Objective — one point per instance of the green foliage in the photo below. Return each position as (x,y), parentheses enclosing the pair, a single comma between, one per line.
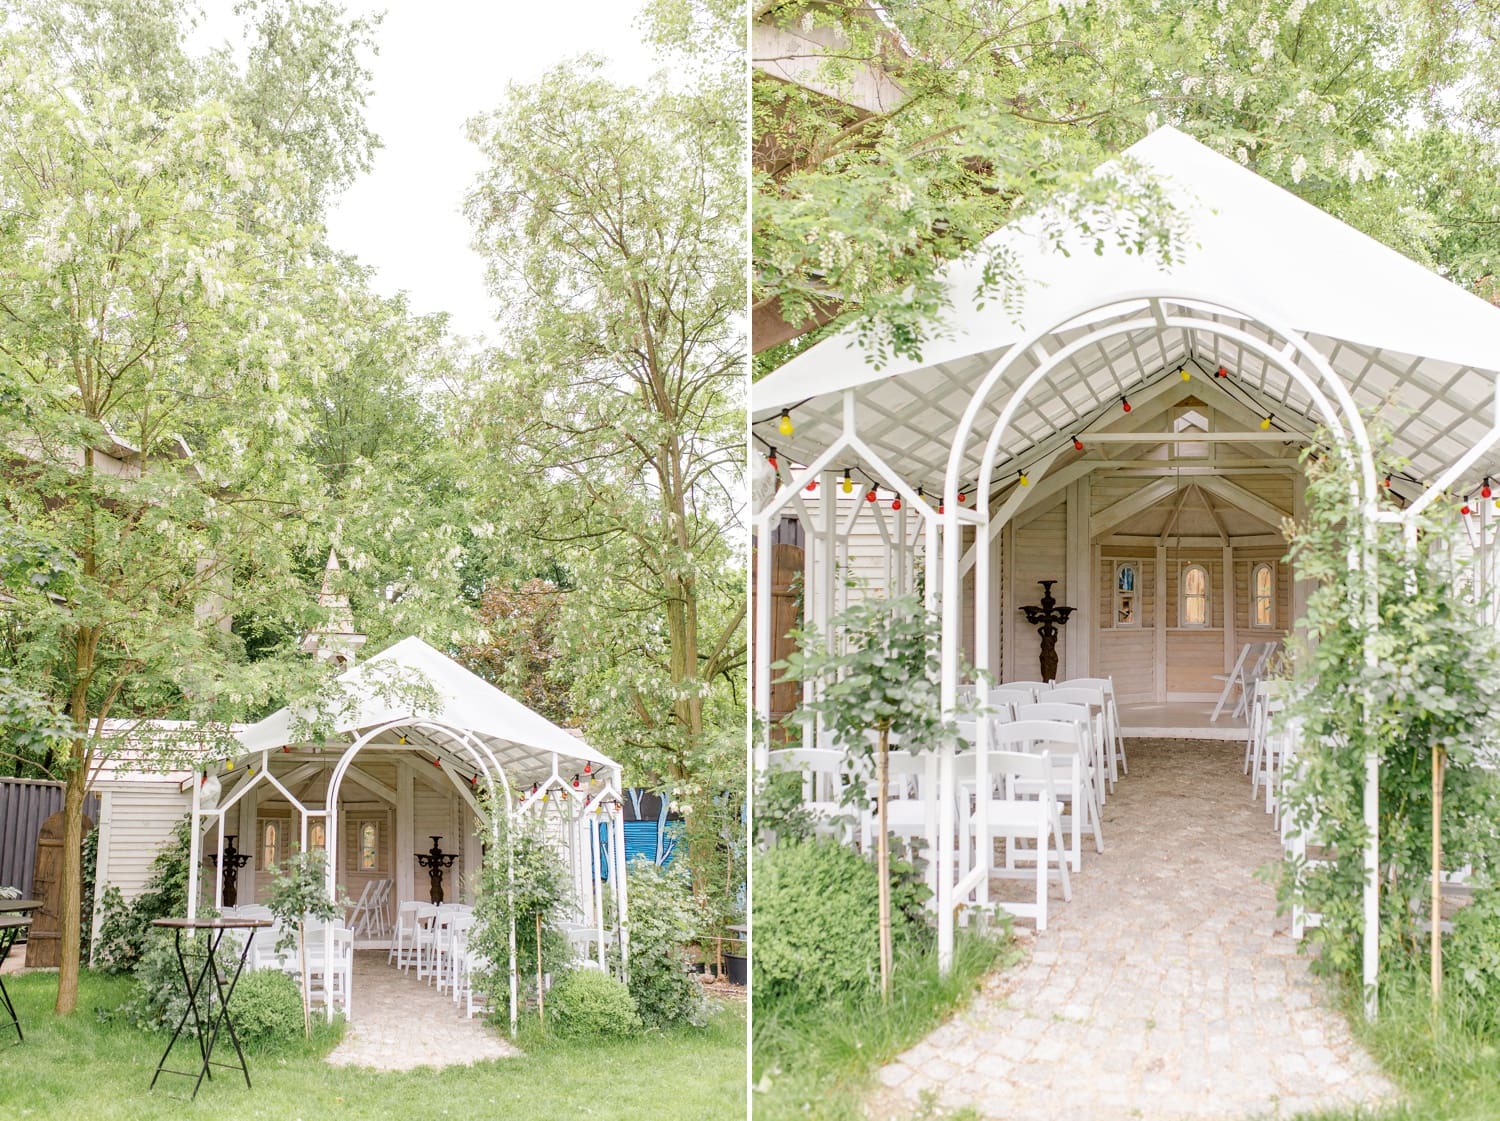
(299,891)
(1471,963)
(159,997)
(663,920)
(816,1060)
(816,933)
(125,928)
(33,735)
(1429,687)
(523,878)
(1380,113)
(267,1008)
(590,1004)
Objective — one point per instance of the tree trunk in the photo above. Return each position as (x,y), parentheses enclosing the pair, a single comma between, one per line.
(1439,767)
(883,860)
(72,891)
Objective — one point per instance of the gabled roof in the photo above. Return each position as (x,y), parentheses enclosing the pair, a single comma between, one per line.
(522,739)
(1388,326)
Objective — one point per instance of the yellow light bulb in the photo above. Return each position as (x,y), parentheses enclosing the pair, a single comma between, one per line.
(229,764)
(848,484)
(1025,481)
(1186,376)
(1265,424)
(786,427)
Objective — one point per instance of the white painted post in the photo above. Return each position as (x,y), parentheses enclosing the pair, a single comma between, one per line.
(764,562)
(1159,619)
(1231,640)
(195,847)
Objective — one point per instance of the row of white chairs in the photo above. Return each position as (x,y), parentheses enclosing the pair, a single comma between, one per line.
(330,978)
(1054,749)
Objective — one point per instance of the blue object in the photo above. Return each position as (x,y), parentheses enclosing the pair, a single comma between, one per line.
(656,841)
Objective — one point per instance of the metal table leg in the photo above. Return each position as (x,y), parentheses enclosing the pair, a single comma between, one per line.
(206,1033)
(10,930)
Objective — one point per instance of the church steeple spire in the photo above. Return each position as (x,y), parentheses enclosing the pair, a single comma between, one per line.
(335,640)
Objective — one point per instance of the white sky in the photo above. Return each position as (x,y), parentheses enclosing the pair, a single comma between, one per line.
(441,62)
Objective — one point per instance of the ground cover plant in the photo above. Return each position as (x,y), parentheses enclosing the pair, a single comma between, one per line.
(674,1075)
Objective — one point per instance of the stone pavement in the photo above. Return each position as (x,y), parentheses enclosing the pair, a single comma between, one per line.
(401,1023)
(1168,988)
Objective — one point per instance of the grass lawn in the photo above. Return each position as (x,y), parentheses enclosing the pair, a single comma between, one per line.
(84,1068)
(818,1063)
(1447,1071)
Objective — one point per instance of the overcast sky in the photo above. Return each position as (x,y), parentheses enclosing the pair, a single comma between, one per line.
(441,62)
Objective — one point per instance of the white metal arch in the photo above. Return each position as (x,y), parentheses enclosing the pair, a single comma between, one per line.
(1341,414)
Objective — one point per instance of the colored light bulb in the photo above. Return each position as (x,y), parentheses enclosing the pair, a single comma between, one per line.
(1125,404)
(848,482)
(785,425)
(1222,372)
(1077,444)
(1265,424)
(1025,479)
(895,504)
(1186,375)
(870,495)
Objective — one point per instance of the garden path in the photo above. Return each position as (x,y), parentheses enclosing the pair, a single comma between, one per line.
(1168,988)
(401,1023)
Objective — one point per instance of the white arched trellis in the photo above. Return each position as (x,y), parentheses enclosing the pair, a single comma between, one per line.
(1099,319)
(471,749)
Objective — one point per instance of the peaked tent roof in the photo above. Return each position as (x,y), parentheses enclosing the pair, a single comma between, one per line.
(1389,327)
(523,740)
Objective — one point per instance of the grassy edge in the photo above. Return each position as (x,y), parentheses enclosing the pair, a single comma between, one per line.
(819,1062)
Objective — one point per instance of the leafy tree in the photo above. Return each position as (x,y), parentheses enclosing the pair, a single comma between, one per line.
(522,654)
(880,677)
(299,891)
(994,110)
(612,219)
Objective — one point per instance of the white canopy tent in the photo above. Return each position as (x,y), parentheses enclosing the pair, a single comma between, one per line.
(499,756)
(1309,323)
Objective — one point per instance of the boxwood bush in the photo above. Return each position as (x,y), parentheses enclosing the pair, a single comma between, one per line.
(817,922)
(590,1004)
(267,1009)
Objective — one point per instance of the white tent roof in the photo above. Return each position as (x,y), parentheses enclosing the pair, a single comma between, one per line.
(523,740)
(1391,328)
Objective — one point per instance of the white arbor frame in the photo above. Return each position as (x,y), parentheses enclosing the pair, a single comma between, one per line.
(464,744)
(1152,311)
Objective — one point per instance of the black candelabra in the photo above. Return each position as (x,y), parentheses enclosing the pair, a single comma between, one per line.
(435,860)
(1046,617)
(234,860)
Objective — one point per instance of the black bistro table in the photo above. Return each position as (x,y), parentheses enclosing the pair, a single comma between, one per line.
(206,1031)
(13,921)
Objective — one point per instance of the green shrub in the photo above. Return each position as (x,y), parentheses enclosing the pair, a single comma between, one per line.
(267,1008)
(590,1004)
(662,921)
(124,927)
(1471,962)
(817,922)
(159,998)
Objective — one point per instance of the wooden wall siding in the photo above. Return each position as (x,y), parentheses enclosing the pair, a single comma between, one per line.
(1193,657)
(1275,489)
(1125,653)
(1040,553)
(141,817)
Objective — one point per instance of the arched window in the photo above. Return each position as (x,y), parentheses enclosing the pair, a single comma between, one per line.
(270,844)
(1194,607)
(317,835)
(1263,595)
(369,845)
(1127,579)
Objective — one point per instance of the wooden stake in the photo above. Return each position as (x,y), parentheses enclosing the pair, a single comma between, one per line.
(883,862)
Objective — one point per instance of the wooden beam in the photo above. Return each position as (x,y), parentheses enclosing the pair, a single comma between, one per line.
(372,784)
(1251,503)
(1271,437)
(1131,505)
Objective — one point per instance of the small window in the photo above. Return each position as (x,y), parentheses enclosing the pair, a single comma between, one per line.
(369,845)
(1194,596)
(271,840)
(1263,595)
(317,835)
(1127,578)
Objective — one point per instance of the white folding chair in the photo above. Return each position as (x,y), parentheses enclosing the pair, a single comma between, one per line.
(425,942)
(1234,678)
(329,979)
(458,944)
(359,915)
(1071,746)
(1116,739)
(1004,812)
(1257,667)
(1011,695)
(404,936)
(475,963)
(908,816)
(1093,698)
(823,771)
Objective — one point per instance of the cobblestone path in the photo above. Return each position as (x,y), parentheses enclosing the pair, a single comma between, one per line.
(401,1023)
(1168,988)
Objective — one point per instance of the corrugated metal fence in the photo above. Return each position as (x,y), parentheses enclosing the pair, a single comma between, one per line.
(24,804)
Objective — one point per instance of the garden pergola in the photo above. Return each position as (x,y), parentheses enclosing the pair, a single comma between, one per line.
(504,761)
(1288,325)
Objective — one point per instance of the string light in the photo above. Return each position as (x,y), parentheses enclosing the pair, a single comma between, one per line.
(1125,404)
(575,782)
(1025,480)
(1077,444)
(896,503)
(871,495)
(229,764)
(1387,482)
(785,425)
(813,485)
(962,498)
(1484,491)
(588,768)
(1221,373)
(1464,509)
(1186,374)
(848,483)
(1265,424)
(771,459)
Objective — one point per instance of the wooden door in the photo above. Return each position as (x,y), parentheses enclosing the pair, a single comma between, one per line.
(44,939)
(786,616)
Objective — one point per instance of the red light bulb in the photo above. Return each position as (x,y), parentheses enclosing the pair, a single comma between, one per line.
(962,498)
(1484,491)
(1125,404)
(1464,509)
(940,507)
(813,485)
(1387,483)
(588,768)
(870,495)
(1077,444)
(895,504)
(1221,373)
